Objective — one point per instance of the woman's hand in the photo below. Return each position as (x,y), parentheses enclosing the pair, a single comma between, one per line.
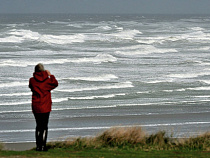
(48,72)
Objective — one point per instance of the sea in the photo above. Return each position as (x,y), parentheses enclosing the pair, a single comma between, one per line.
(149,71)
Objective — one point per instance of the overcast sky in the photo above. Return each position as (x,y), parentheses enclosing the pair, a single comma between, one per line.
(106,6)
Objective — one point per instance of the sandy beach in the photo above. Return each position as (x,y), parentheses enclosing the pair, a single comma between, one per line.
(180,125)
(22,146)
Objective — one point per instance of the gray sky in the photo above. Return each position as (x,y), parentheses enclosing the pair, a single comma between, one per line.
(106,6)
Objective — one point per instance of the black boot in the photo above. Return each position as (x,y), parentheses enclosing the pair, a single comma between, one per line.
(44,140)
(38,140)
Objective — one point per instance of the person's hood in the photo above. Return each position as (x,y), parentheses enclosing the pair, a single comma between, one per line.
(40,76)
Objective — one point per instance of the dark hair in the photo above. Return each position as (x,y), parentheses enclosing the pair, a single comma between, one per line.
(39,67)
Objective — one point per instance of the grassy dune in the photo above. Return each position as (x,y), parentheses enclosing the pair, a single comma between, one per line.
(124,142)
(135,137)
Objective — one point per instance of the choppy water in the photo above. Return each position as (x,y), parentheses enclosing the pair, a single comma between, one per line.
(112,70)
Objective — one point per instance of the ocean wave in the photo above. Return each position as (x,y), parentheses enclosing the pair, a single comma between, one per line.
(175,90)
(105,127)
(196,35)
(159,81)
(53,129)
(197,28)
(100,58)
(11,39)
(200,88)
(103,28)
(97,59)
(189,75)
(97,97)
(126,34)
(175,124)
(18,36)
(104,77)
(62,39)
(16,94)
(15,111)
(127,84)
(113,37)
(13,84)
(146,50)
(205,81)
(16,103)
(25,63)
(56,100)
(58,22)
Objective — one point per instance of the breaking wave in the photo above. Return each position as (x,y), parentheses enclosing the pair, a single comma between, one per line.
(104,77)
(100,58)
(127,84)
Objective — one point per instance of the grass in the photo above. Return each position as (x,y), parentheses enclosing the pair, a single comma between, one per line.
(123,142)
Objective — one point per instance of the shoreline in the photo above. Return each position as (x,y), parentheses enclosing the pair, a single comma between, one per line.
(20,146)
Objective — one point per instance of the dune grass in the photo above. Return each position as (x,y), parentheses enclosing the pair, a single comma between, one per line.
(136,138)
(123,142)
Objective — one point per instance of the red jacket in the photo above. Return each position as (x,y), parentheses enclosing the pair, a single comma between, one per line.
(41,85)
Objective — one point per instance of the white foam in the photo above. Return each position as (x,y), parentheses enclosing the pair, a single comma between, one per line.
(13,84)
(175,90)
(159,81)
(57,100)
(30,63)
(11,39)
(104,77)
(54,129)
(106,106)
(16,94)
(105,127)
(205,81)
(62,39)
(203,96)
(146,92)
(126,34)
(127,84)
(189,75)
(96,97)
(146,49)
(25,34)
(106,28)
(197,28)
(175,124)
(168,90)
(113,37)
(58,22)
(16,111)
(206,48)
(97,59)
(195,36)
(18,36)
(100,58)
(16,103)
(199,88)
(180,90)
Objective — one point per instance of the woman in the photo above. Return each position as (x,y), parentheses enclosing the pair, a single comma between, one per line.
(41,84)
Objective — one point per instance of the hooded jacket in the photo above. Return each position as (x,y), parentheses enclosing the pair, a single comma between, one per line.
(41,85)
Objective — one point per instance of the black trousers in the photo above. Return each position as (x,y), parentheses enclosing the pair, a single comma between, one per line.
(42,120)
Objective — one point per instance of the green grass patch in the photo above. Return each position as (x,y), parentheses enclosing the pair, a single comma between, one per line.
(105,153)
(123,142)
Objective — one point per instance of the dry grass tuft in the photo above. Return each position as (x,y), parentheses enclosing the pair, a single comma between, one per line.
(122,136)
(135,137)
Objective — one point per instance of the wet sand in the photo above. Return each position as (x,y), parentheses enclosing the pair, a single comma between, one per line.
(19,146)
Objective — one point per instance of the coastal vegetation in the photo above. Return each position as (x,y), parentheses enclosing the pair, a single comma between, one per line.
(124,142)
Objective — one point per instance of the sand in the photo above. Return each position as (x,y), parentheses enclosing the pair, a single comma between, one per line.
(19,146)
